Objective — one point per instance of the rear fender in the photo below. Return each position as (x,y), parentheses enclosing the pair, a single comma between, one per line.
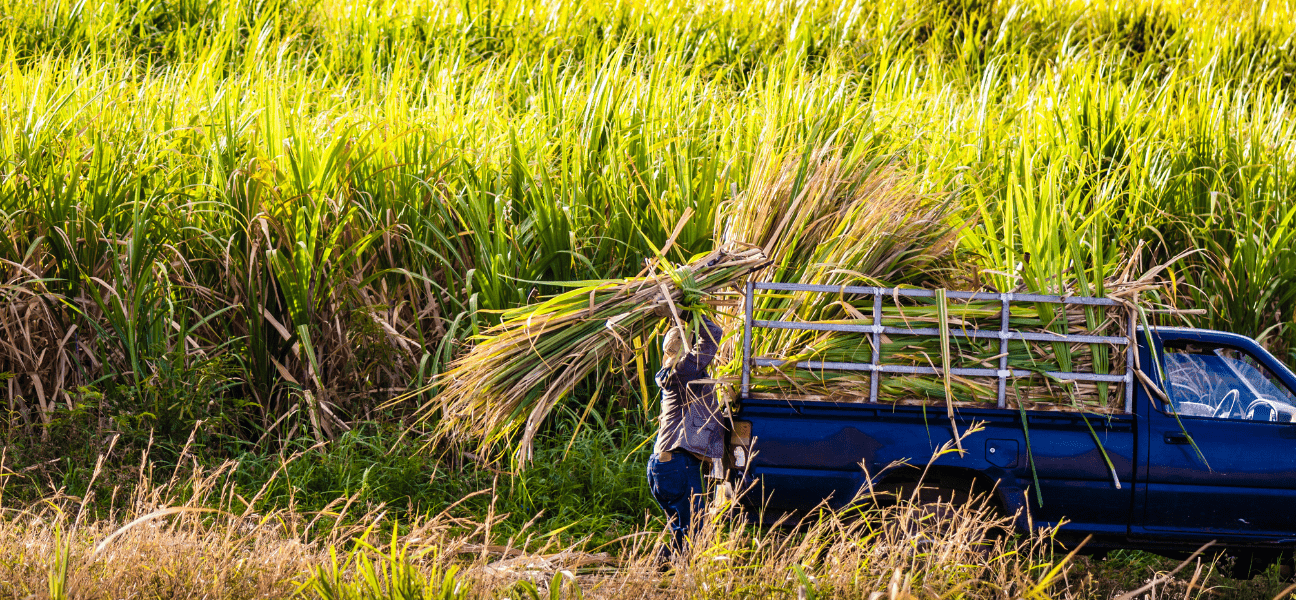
(956,485)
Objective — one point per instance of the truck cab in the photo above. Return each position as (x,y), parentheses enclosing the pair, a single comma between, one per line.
(1205,451)
(1219,460)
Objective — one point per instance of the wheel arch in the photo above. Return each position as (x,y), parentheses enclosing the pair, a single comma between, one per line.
(1001,492)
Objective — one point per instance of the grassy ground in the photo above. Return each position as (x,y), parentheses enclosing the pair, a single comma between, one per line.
(231,230)
(587,490)
(357,521)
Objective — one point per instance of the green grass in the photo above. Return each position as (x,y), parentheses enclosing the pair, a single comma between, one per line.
(307,205)
(586,488)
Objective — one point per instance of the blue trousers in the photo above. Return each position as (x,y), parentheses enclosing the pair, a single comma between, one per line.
(677,486)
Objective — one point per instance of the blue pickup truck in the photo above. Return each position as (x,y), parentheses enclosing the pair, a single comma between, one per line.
(1204,450)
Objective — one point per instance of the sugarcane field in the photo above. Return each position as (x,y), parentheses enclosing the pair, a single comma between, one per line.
(523,299)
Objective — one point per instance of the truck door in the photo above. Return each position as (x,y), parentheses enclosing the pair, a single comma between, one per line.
(1234,401)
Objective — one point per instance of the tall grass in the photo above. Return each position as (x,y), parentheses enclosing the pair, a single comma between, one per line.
(273,215)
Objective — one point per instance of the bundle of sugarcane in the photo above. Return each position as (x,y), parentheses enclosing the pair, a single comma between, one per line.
(961,349)
(516,371)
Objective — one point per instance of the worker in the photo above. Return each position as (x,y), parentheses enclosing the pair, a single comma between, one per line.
(690,437)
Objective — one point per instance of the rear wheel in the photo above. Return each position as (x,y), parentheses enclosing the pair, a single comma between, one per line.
(1247,564)
(939,514)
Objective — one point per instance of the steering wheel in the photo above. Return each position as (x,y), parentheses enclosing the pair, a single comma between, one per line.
(1262,401)
(1222,411)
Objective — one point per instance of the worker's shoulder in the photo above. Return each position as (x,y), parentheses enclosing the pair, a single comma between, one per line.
(715,330)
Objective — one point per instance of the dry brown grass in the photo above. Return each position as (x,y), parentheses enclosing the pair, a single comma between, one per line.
(195,537)
(192,554)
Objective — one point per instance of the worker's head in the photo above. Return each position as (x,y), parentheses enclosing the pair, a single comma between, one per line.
(672,347)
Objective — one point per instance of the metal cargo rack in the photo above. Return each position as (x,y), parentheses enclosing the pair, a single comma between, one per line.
(875,367)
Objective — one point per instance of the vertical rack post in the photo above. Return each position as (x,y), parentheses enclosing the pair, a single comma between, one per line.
(875,375)
(1130,348)
(747,339)
(1003,350)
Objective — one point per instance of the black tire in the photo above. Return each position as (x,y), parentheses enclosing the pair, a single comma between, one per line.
(1246,565)
(937,514)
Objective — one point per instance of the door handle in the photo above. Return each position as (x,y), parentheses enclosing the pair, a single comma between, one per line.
(1176,438)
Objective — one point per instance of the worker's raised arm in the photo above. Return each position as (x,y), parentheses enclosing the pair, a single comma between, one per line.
(695,364)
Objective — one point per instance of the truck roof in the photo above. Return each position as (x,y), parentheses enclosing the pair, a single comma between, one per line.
(1207,334)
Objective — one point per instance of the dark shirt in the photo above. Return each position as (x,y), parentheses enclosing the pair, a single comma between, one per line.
(690,416)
